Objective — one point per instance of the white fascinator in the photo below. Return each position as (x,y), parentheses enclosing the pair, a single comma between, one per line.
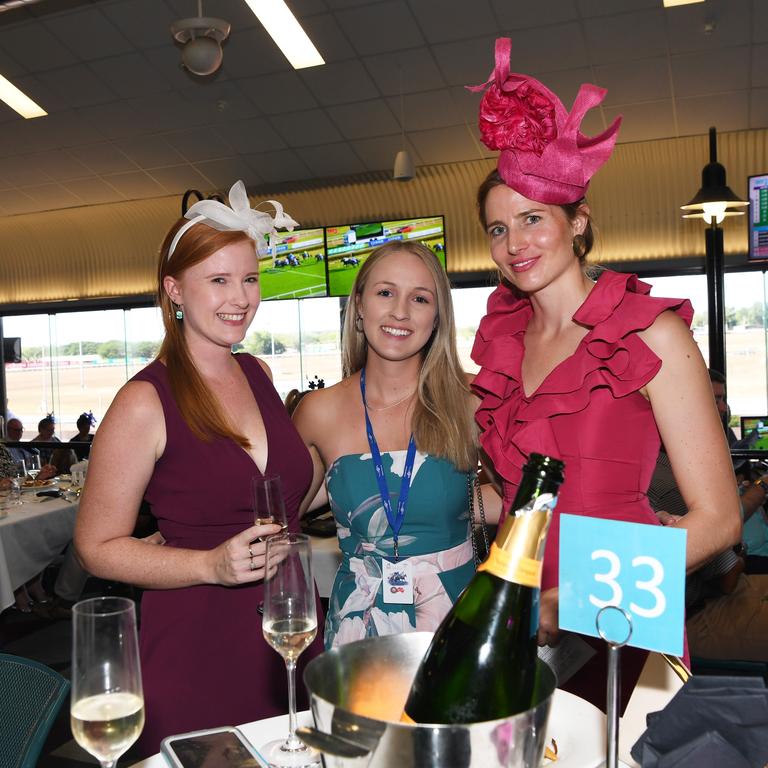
(238,216)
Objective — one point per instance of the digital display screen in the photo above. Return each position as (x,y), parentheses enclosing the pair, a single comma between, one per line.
(758,216)
(294,268)
(754,429)
(349,245)
(221,749)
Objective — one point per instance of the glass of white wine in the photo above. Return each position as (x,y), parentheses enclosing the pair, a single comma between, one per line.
(33,465)
(268,501)
(289,626)
(107,705)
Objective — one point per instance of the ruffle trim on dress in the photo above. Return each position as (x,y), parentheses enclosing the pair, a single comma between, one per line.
(611,355)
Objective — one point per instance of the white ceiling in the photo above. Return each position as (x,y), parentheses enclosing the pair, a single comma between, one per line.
(126,122)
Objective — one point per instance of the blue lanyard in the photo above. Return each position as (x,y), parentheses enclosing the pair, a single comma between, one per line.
(395,520)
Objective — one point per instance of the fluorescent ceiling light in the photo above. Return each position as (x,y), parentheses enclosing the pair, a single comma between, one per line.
(670,3)
(19,101)
(286,31)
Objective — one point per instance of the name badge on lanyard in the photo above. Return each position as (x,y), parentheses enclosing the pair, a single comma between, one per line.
(402,571)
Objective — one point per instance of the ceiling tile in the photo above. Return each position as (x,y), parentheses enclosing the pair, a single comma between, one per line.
(18,172)
(406,71)
(145,23)
(199,144)
(566,83)
(339,83)
(252,52)
(302,8)
(468,62)
(13,202)
(135,185)
(366,118)
(726,111)
(378,154)
(179,178)
(247,136)
(446,20)
(445,145)
(76,86)
(467,103)
(708,26)
(111,120)
(87,33)
(166,60)
(626,36)
(387,26)
(340,4)
(640,122)
(561,46)
(156,112)
(302,129)
(34,47)
(758,112)
(432,109)
(521,15)
(635,81)
(93,191)
(331,160)
(59,165)
(9,67)
(48,197)
(236,12)
(67,129)
(130,75)
(760,21)
(224,172)
(281,166)
(711,71)
(221,101)
(759,66)
(42,93)
(148,151)
(589,8)
(102,158)
(280,92)
(328,37)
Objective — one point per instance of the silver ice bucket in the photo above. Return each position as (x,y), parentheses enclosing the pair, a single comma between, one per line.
(357,694)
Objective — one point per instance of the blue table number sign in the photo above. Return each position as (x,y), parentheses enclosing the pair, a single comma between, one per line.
(640,568)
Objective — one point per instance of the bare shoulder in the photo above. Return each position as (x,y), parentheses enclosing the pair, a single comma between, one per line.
(319,405)
(668,334)
(137,400)
(265,367)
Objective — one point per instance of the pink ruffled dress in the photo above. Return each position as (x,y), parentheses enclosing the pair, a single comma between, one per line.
(588,411)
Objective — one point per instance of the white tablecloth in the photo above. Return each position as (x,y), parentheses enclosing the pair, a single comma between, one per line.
(31,537)
(326,557)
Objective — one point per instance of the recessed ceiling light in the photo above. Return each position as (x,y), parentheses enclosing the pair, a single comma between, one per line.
(670,3)
(19,101)
(286,31)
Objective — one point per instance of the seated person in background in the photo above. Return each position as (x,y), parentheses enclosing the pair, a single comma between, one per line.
(292,399)
(8,468)
(15,431)
(727,610)
(46,429)
(84,423)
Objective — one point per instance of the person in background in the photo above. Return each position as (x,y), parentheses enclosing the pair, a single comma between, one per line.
(402,413)
(187,434)
(85,421)
(589,372)
(46,433)
(15,430)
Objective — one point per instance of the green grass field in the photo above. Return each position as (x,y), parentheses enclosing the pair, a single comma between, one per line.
(308,279)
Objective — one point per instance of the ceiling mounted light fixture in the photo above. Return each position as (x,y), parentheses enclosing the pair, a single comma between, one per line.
(201,38)
(403,170)
(19,101)
(289,36)
(672,3)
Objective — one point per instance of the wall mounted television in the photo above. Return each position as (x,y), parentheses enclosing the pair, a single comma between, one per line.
(350,244)
(758,216)
(295,265)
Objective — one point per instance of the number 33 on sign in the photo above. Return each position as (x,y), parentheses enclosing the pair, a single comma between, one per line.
(640,568)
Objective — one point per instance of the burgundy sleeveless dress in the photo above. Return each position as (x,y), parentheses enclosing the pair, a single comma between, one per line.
(205,662)
(588,412)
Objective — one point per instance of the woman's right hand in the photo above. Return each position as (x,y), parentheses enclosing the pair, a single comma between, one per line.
(241,559)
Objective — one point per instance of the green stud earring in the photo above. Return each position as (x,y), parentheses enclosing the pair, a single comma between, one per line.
(179,314)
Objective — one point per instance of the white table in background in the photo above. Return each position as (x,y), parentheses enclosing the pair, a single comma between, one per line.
(31,537)
(326,558)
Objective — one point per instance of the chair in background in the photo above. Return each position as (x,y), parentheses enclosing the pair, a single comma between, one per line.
(31,695)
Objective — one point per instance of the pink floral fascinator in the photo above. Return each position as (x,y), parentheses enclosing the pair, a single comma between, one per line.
(544,155)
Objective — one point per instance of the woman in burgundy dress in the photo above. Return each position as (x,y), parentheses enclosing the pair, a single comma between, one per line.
(590,372)
(187,434)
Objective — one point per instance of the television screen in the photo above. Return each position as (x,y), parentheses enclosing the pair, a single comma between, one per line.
(349,245)
(754,432)
(295,265)
(758,216)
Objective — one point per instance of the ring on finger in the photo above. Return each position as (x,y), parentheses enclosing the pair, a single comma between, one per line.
(253,567)
(250,551)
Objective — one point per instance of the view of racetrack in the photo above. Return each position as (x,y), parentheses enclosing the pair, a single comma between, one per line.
(295,266)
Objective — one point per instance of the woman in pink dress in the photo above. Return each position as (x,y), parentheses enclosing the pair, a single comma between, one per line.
(592,372)
(187,434)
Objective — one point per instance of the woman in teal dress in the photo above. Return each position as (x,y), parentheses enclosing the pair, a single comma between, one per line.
(394,442)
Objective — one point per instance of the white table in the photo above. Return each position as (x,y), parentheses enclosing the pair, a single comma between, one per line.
(31,537)
(326,558)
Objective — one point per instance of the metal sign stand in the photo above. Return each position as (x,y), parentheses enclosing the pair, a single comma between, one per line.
(612,688)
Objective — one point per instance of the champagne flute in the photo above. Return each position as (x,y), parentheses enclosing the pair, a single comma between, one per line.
(107,705)
(268,506)
(289,626)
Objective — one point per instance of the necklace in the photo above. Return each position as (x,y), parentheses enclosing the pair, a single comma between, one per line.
(392,405)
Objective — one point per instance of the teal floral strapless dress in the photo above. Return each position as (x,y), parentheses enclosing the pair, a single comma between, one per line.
(435,537)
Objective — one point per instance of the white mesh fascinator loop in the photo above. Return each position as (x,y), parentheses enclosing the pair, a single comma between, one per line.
(240,217)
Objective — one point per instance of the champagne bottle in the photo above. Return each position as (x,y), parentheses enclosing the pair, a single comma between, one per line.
(481,664)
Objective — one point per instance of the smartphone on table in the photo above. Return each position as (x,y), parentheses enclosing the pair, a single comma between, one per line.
(212,748)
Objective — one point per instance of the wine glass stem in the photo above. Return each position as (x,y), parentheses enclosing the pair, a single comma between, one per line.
(292,742)
(108,763)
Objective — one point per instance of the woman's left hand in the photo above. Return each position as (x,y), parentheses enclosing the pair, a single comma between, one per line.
(549,631)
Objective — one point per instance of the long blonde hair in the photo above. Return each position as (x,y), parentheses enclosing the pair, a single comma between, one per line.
(442,421)
(196,403)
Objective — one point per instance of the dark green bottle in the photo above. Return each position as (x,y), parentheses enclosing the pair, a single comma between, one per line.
(481,664)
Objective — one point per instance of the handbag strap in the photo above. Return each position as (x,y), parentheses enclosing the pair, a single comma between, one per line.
(473,488)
